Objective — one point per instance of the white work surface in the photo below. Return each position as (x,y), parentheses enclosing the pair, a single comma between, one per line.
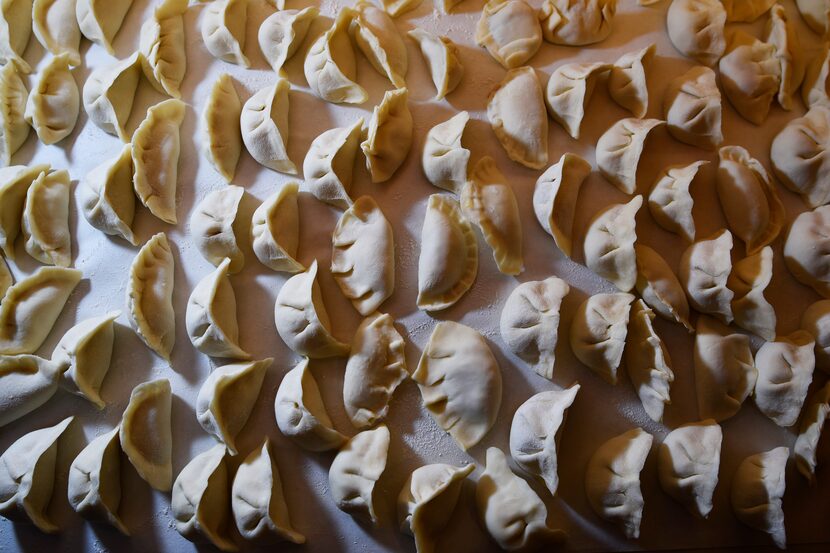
(600,411)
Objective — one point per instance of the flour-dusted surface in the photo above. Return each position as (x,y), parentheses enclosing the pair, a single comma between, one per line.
(599,412)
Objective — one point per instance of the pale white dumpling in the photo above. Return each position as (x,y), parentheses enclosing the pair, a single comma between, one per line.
(220,132)
(577,22)
(26,383)
(214,225)
(275,230)
(725,372)
(488,201)
(223,30)
(282,33)
(749,278)
(376,367)
(758,490)
(329,164)
(704,270)
(264,126)
(781,34)
(45,222)
(15,181)
(378,38)
(448,263)
(146,433)
(804,249)
(693,108)
(330,66)
(671,203)
(363,256)
(355,470)
(301,317)
(569,90)
(460,382)
(620,148)
(510,31)
(55,26)
(227,397)
(688,463)
(555,195)
(100,20)
(388,136)
(750,75)
(816,321)
(812,423)
(109,92)
(785,371)
(53,104)
(13,126)
(516,111)
(647,362)
(16,23)
(529,322)
(598,333)
(612,480)
(301,414)
(609,244)
(442,57)
(696,28)
(535,432)
(106,196)
(150,296)
(162,46)
(799,155)
(627,82)
(445,159)
(816,86)
(659,287)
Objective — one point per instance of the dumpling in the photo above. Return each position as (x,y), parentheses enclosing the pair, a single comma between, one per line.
(809,433)
(448,263)
(444,159)
(748,198)
(363,256)
(146,433)
(27,476)
(427,501)
(85,352)
(816,321)
(785,371)
(799,155)
(275,230)
(612,480)
(555,195)
(156,158)
(106,196)
(750,75)
(26,383)
(200,501)
(45,222)
(55,26)
(746,11)
(53,105)
(389,135)
(301,414)
(14,184)
(355,470)
(659,287)
(696,28)
(757,492)
(488,201)
(627,82)
(514,516)
(460,382)
(211,316)
(510,31)
(620,148)
(227,398)
(282,33)
(330,66)
(31,306)
(804,249)
(443,61)
(16,23)
(213,227)
(569,90)
(781,34)
(704,270)
(398,7)
(647,362)
(748,280)
(109,92)
(725,372)
(220,130)
(670,202)
(329,164)
(162,46)
(100,21)
(535,432)
(150,296)
(816,86)
(376,367)
(94,483)
(301,317)
(688,463)
(609,244)
(223,30)
(693,108)
(816,15)
(598,332)
(577,22)
(264,126)
(378,38)
(14,130)
(529,322)
(257,500)
(516,110)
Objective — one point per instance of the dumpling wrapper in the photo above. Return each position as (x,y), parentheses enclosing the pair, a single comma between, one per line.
(214,225)
(329,164)
(757,492)
(223,30)
(264,127)
(671,203)
(355,471)
(14,130)
(510,31)
(693,108)
(809,432)
(577,22)
(146,433)
(388,136)
(750,74)
(609,244)
(26,383)
(444,159)
(517,114)
(748,280)
(442,58)
(45,222)
(330,66)
(804,249)
(150,296)
(106,196)
(109,92)
(659,287)
(647,362)
(15,181)
(598,333)
(799,155)
(816,321)
(785,371)
(378,38)
(101,20)
(627,82)
(55,26)
(696,28)
(704,271)
(569,90)
(275,230)
(220,133)
(281,34)
(620,148)
(162,46)
(53,104)
(555,196)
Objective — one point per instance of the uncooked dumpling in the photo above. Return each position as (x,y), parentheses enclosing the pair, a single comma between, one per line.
(355,470)
(329,164)
(389,135)
(704,270)
(53,104)
(301,317)
(805,246)
(758,490)
(45,222)
(26,383)
(106,196)
(693,108)
(612,480)
(510,31)
(214,224)
(816,15)
(620,148)
(55,26)
(569,90)
(223,30)
(16,23)
(816,86)
(282,33)
(627,82)
(555,195)
(609,244)
(751,76)
(647,362)
(577,22)
(13,126)
(598,333)
(331,67)
(264,126)
(516,110)
(799,155)
(150,296)
(109,92)
(162,45)
(529,322)
(378,38)
(809,433)
(275,230)
(444,159)
(749,278)
(670,201)
(442,58)
(146,433)
(785,371)
(782,35)
(14,184)
(101,20)
(363,256)
(659,287)
(460,382)
(816,321)
(220,130)
(696,28)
